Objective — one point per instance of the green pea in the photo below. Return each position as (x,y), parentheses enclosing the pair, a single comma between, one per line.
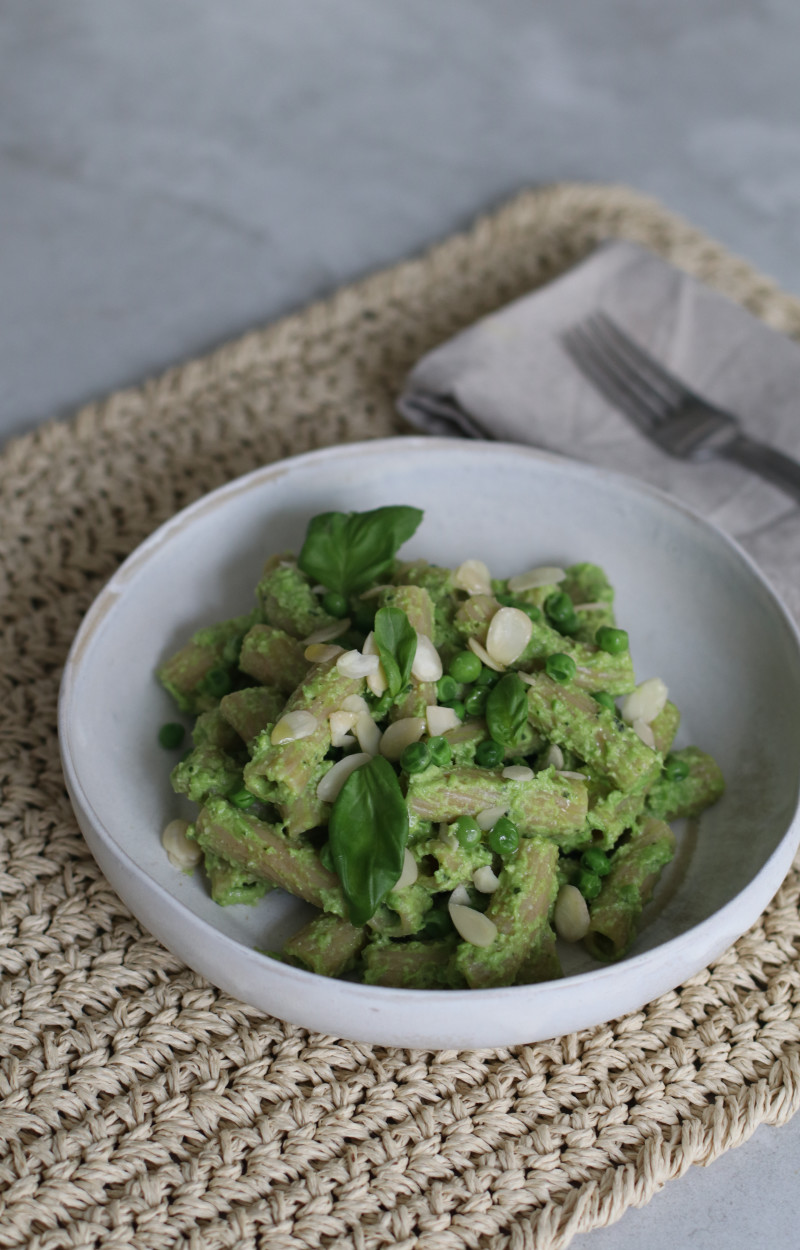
(508,601)
(487,677)
(217,682)
(675,769)
(561,668)
(447,688)
(465,666)
(457,706)
(613,641)
(416,757)
(489,754)
(596,861)
(504,836)
(531,610)
(335,604)
(561,611)
(475,701)
(468,832)
(605,700)
(441,751)
(589,884)
(242,798)
(171,735)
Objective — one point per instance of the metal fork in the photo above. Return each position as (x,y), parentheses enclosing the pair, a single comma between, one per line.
(680,421)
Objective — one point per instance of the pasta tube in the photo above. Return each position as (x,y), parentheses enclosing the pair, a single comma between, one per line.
(273,657)
(262,850)
(628,886)
(520,909)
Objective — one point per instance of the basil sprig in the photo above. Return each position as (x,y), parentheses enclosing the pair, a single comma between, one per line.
(396,640)
(507,710)
(348,551)
(367,833)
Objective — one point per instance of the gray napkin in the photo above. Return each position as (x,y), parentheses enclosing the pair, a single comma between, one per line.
(508,377)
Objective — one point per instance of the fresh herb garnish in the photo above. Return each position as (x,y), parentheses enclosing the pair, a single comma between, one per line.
(347,552)
(507,710)
(396,640)
(367,833)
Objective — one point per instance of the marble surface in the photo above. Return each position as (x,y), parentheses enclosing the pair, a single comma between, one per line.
(173,174)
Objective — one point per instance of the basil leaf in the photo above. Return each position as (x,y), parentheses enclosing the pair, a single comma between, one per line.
(507,710)
(396,640)
(367,833)
(346,552)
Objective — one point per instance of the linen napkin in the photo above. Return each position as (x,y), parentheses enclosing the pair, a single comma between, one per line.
(509,377)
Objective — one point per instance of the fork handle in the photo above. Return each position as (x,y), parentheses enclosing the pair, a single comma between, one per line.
(766,461)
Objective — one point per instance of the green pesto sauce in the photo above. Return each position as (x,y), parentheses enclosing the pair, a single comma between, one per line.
(231,884)
(674,800)
(438,582)
(455,864)
(213,730)
(288,601)
(408,907)
(204,772)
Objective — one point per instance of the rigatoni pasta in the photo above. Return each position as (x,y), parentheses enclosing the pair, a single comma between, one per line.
(454,769)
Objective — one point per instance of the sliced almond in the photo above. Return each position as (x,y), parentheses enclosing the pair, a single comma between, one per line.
(447,835)
(473,576)
(485,880)
(182,852)
(543,575)
(483,655)
(401,734)
(565,772)
(643,730)
(571,915)
(459,897)
(376,681)
(368,733)
(645,702)
(509,633)
(374,591)
(341,723)
(292,726)
(330,785)
(355,664)
(410,872)
(427,664)
(473,926)
(440,719)
(554,757)
(328,632)
(321,652)
(355,703)
(517,772)
(489,817)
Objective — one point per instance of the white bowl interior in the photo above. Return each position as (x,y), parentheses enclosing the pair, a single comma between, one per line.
(698,613)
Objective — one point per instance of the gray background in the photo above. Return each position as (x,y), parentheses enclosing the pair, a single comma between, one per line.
(173,173)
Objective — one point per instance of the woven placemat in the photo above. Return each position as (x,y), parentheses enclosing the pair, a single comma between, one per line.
(142,1108)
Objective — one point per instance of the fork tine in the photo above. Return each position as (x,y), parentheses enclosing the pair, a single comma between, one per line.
(615,383)
(637,359)
(619,364)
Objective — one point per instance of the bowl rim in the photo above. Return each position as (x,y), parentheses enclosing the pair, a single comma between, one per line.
(114,588)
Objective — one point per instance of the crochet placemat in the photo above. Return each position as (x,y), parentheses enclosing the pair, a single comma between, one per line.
(142,1108)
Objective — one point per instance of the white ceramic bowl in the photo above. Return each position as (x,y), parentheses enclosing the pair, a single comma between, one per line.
(699,615)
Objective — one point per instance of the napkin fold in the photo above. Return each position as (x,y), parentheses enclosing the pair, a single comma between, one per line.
(509,377)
